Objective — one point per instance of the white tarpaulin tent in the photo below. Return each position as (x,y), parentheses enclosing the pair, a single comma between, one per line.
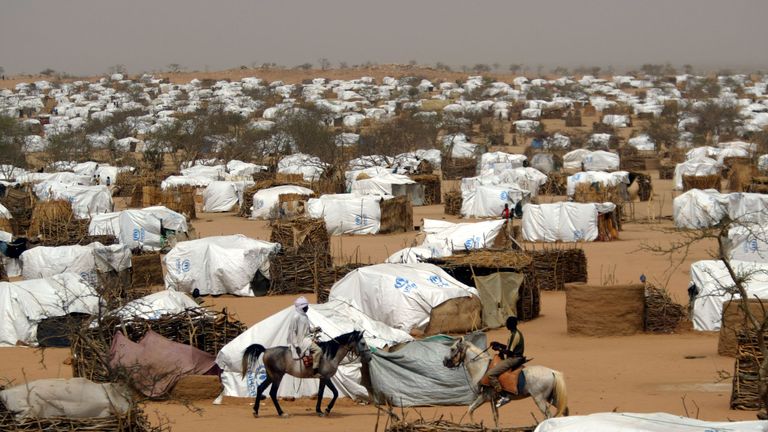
(699,208)
(562,221)
(489,200)
(443,237)
(388,184)
(604,178)
(218,265)
(348,213)
(85,200)
(643,422)
(696,167)
(46,261)
(600,160)
(266,201)
(156,305)
(400,295)
(748,243)
(310,167)
(500,161)
(190,180)
(642,142)
(715,286)
(748,208)
(335,317)
(24,304)
(224,196)
(527,178)
(410,255)
(71,398)
(139,227)
(573,159)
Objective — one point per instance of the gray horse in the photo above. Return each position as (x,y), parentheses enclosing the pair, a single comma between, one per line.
(546,386)
(279,361)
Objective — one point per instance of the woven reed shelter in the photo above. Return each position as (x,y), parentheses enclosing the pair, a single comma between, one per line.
(701,182)
(396,215)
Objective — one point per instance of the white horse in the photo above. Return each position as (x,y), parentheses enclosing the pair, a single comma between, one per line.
(546,386)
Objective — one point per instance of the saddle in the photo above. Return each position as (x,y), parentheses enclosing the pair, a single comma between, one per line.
(512,381)
(307,360)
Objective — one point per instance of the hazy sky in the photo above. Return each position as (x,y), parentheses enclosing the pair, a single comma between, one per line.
(88,36)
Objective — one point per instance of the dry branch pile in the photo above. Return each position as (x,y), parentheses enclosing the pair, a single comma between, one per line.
(203,329)
(662,314)
(133,421)
(453,201)
(440,425)
(556,184)
(745,394)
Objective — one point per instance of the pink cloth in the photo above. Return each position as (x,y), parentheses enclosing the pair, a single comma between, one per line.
(155,364)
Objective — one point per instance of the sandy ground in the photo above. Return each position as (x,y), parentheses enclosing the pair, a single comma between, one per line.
(676,373)
(641,373)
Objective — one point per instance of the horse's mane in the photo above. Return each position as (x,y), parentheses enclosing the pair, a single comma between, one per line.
(331,347)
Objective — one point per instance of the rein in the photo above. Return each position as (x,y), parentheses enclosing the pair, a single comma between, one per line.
(478,355)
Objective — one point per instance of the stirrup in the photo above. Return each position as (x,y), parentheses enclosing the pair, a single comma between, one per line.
(503,401)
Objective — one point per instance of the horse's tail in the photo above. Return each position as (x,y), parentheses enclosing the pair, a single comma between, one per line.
(559,394)
(251,354)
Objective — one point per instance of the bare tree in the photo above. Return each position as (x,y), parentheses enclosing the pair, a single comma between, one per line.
(324,63)
(736,288)
(404,133)
(175,68)
(515,68)
(118,68)
(69,146)
(11,147)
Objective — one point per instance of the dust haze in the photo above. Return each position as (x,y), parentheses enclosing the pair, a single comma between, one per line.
(87,37)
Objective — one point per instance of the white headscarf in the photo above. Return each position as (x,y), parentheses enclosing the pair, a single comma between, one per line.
(299,304)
